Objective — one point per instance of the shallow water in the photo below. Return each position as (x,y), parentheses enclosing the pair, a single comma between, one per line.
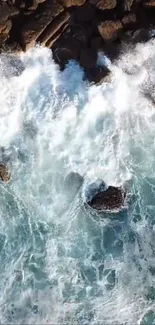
(59,263)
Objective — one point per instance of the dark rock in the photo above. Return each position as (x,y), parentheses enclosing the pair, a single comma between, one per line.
(76,29)
(4,173)
(140,35)
(85,13)
(97,43)
(97,74)
(53,28)
(110,199)
(70,3)
(7,11)
(10,48)
(65,50)
(111,50)
(2,26)
(104,4)
(110,30)
(5,32)
(129,21)
(56,35)
(81,33)
(88,58)
(33,5)
(132,37)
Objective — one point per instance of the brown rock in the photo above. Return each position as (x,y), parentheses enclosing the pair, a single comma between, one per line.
(4,173)
(111,199)
(110,30)
(7,11)
(8,26)
(127,4)
(34,5)
(5,32)
(12,47)
(149,3)
(88,58)
(70,3)
(129,21)
(31,5)
(56,36)
(53,28)
(32,30)
(2,26)
(104,4)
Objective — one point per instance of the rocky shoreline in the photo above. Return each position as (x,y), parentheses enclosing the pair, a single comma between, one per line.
(75,29)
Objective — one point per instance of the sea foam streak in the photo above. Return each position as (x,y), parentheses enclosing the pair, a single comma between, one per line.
(58,264)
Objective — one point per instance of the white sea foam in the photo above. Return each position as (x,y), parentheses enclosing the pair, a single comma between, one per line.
(58,264)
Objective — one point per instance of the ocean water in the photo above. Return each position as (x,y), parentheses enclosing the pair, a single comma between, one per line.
(59,262)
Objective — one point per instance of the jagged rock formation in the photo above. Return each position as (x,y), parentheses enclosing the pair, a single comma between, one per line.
(111,199)
(75,29)
(101,197)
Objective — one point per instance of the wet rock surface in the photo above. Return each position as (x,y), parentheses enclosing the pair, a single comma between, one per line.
(4,173)
(110,199)
(94,188)
(75,29)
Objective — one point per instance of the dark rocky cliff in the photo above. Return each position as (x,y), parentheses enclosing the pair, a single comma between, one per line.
(75,29)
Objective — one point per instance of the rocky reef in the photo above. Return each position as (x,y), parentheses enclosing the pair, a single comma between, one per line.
(75,29)
(111,199)
(101,197)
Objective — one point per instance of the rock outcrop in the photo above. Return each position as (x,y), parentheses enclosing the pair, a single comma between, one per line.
(111,199)
(4,173)
(75,29)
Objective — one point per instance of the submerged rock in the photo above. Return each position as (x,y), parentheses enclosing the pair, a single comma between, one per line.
(103,198)
(4,173)
(94,188)
(72,183)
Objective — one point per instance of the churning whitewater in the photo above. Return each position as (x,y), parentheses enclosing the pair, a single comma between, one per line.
(59,263)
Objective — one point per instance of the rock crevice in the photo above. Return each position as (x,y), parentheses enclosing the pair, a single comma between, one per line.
(75,29)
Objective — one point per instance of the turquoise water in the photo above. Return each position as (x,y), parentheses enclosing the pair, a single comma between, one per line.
(59,262)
